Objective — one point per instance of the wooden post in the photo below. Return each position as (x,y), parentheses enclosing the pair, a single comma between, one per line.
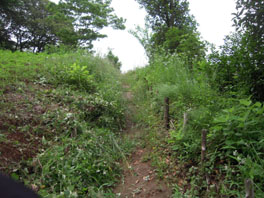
(249,188)
(150,90)
(166,113)
(185,120)
(203,145)
(203,157)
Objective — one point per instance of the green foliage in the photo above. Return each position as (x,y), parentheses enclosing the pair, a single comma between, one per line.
(101,112)
(239,64)
(114,59)
(234,125)
(34,24)
(31,29)
(78,166)
(237,131)
(174,30)
(89,17)
(213,94)
(241,127)
(171,77)
(79,130)
(230,68)
(17,66)
(167,13)
(143,35)
(79,75)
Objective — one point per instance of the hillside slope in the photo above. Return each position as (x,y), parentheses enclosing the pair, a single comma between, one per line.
(60,120)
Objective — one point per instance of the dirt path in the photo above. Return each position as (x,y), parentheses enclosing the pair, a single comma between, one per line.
(139,179)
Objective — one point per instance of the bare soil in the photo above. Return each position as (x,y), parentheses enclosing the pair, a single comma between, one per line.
(21,127)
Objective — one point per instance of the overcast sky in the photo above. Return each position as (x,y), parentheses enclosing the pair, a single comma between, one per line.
(124,45)
(214,18)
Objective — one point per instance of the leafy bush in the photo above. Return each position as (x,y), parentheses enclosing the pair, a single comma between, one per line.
(79,75)
(240,126)
(238,132)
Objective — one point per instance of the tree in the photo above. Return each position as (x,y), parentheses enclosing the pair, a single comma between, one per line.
(240,63)
(6,12)
(167,13)
(144,35)
(90,16)
(185,42)
(174,29)
(30,24)
(229,66)
(114,59)
(249,19)
(43,24)
(34,24)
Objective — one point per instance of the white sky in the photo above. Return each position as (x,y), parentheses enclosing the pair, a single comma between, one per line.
(214,18)
(124,45)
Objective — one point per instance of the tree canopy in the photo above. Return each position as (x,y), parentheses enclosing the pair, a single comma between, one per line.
(174,28)
(89,17)
(240,63)
(113,59)
(249,19)
(33,24)
(168,13)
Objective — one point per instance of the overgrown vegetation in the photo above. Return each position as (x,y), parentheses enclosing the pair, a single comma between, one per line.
(61,111)
(235,137)
(61,115)
(219,93)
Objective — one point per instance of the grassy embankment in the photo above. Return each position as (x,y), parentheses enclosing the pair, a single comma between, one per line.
(60,122)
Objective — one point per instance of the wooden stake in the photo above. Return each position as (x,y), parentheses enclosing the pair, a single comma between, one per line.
(249,188)
(203,145)
(203,157)
(185,120)
(166,113)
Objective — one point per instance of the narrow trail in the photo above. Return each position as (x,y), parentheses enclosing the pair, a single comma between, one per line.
(139,179)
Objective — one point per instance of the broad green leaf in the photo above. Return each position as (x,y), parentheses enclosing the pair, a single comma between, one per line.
(222,118)
(245,102)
